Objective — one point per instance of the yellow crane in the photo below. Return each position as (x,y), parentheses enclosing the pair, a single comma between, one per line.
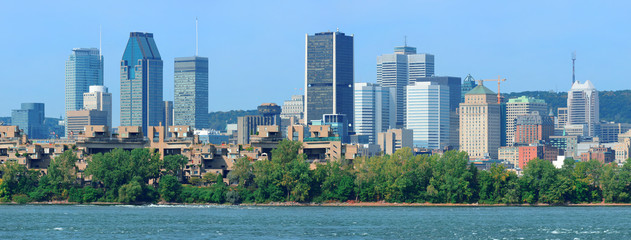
(498,80)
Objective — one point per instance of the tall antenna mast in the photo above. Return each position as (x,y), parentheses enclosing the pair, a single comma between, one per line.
(573,60)
(196,38)
(405,41)
(100,51)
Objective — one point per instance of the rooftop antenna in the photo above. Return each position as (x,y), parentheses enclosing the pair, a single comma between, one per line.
(196,38)
(100,51)
(573,60)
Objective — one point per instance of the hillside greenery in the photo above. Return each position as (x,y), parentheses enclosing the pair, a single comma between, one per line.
(219,120)
(615,106)
(140,176)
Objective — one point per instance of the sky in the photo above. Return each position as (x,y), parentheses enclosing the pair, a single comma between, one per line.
(256,49)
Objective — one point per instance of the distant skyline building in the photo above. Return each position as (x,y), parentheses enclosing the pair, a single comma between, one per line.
(141,83)
(467,85)
(77,120)
(294,107)
(532,128)
(329,75)
(84,68)
(191,92)
(375,109)
(583,107)
(168,114)
(480,123)
(98,98)
(30,118)
(428,114)
(521,106)
(398,69)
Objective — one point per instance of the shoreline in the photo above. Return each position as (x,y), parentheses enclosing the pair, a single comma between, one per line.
(334,204)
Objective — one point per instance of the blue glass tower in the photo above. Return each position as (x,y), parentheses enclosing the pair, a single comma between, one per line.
(30,118)
(141,83)
(84,68)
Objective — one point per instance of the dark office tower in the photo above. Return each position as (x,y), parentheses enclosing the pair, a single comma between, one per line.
(328,75)
(191,92)
(141,83)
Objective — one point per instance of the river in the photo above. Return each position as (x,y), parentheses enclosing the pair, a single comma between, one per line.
(249,222)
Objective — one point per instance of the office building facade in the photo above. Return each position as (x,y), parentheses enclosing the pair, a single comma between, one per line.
(428,114)
(191,92)
(99,99)
(329,75)
(293,107)
(141,83)
(480,123)
(84,68)
(455,88)
(30,119)
(375,109)
(583,107)
(521,106)
(396,71)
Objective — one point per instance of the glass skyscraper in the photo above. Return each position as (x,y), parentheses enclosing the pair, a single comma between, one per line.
(191,92)
(329,75)
(141,83)
(84,68)
(375,109)
(428,114)
(397,70)
(30,118)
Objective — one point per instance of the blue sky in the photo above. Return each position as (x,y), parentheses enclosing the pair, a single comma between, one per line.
(256,48)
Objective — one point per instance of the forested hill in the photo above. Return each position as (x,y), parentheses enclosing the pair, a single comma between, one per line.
(615,106)
(218,120)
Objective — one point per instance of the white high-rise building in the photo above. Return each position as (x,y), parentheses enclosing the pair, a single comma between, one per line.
(294,107)
(99,99)
(582,107)
(427,114)
(375,109)
(398,69)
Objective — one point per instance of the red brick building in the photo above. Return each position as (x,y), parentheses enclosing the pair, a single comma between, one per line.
(533,128)
(600,153)
(527,153)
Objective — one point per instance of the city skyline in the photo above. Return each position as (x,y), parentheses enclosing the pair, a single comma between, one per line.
(534,53)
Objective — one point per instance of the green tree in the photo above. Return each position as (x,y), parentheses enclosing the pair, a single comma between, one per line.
(242,172)
(170,188)
(451,179)
(541,183)
(16,179)
(174,165)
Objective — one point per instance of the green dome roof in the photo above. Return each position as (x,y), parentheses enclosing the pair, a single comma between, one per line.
(480,89)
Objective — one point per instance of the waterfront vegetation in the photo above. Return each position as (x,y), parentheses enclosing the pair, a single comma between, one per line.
(140,176)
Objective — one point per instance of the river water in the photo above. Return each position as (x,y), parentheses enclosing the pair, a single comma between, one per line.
(249,222)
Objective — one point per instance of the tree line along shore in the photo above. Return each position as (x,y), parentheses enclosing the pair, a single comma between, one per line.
(140,176)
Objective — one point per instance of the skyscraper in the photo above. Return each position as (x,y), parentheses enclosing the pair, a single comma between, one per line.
(583,107)
(99,99)
(428,114)
(30,118)
(141,83)
(168,114)
(375,109)
(480,123)
(329,75)
(84,68)
(521,106)
(398,69)
(454,84)
(191,92)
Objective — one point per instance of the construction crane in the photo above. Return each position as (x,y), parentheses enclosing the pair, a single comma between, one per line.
(498,80)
